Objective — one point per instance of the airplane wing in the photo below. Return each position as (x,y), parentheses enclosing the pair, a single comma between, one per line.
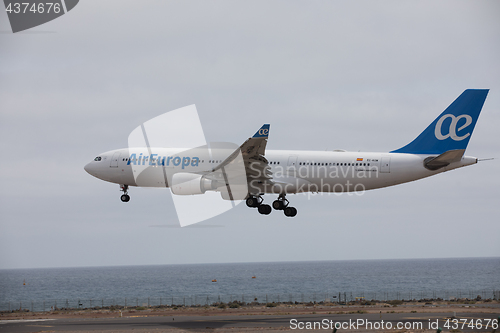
(246,164)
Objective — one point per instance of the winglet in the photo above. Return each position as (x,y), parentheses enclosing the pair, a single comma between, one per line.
(263,132)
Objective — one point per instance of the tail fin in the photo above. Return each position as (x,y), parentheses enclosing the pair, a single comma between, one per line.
(452,129)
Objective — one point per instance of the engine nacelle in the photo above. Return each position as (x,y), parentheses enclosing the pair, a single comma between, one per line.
(191,184)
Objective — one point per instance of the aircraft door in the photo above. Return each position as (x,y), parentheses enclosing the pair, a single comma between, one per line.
(385,164)
(292,161)
(291,166)
(114,160)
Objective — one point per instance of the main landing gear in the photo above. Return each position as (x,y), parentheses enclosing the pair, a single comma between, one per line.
(280,204)
(125,197)
(256,202)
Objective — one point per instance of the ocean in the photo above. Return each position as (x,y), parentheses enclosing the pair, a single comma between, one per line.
(41,289)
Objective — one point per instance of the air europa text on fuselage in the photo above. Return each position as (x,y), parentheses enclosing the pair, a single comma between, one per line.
(155,160)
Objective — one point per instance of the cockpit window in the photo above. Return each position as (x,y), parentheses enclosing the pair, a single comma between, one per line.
(98,158)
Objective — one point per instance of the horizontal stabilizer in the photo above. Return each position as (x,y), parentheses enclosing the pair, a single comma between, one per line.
(438,162)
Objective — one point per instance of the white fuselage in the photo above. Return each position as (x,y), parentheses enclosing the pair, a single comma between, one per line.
(301,171)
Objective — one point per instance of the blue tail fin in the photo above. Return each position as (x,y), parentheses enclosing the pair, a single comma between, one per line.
(452,129)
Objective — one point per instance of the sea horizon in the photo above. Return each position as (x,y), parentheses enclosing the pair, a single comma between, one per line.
(251,262)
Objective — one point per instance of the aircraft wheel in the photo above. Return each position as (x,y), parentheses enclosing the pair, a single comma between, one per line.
(278,205)
(265,209)
(290,211)
(125,198)
(252,202)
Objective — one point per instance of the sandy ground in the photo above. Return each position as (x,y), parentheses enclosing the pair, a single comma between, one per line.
(282,309)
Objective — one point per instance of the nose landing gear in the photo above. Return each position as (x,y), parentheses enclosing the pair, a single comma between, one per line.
(125,197)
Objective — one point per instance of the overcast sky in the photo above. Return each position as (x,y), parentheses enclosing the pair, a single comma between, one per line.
(354,75)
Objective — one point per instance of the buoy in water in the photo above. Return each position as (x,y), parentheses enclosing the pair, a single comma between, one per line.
(214,280)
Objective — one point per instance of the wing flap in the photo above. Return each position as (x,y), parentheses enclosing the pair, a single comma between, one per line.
(252,162)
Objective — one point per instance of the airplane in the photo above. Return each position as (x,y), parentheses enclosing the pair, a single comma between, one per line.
(250,171)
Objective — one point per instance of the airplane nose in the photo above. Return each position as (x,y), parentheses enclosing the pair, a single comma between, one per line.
(89,168)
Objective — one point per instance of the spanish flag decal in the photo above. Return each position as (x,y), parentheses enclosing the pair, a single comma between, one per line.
(359,159)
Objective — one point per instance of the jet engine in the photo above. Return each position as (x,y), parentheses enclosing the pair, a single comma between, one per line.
(191,184)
